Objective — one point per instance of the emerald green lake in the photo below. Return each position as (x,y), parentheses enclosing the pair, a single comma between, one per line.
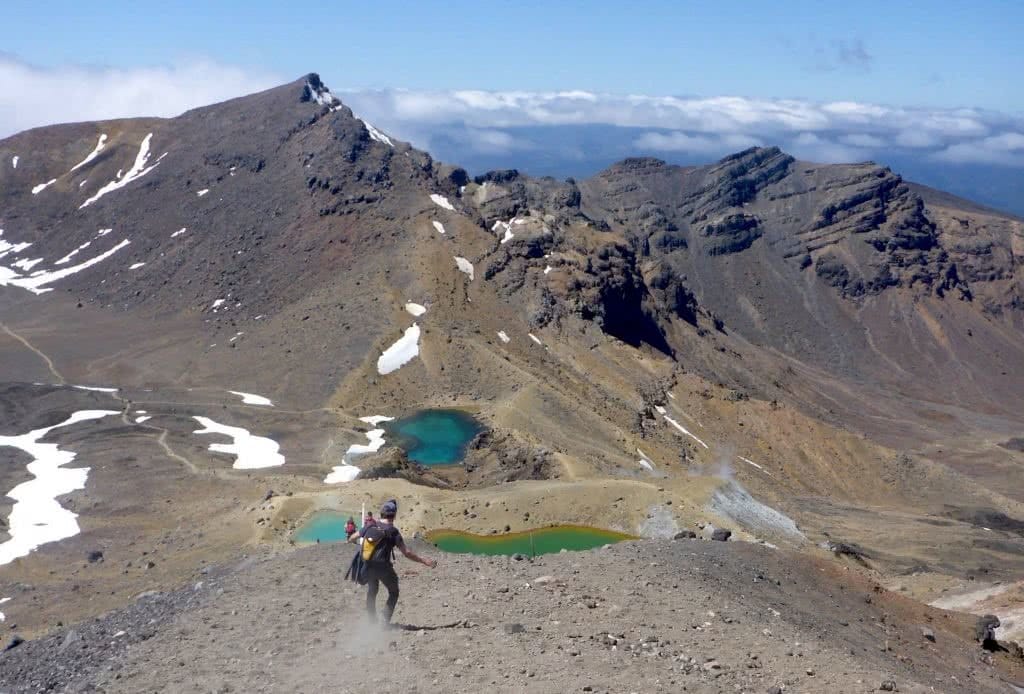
(530,543)
(324,526)
(434,437)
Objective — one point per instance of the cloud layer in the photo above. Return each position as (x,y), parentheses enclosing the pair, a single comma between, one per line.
(31,96)
(492,123)
(832,131)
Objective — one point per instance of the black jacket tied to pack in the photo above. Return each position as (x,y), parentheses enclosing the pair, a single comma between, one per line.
(377,550)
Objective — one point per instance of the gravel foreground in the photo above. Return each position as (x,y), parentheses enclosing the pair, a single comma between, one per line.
(644,616)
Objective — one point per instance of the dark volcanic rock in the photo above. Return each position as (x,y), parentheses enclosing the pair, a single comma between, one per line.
(393,463)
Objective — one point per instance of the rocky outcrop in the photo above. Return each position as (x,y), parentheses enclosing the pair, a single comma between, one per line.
(393,463)
(732,234)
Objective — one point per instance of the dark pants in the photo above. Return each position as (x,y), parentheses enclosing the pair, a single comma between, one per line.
(375,576)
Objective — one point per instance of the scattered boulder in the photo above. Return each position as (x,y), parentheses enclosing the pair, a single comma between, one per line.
(13,643)
(94,556)
(928,634)
(887,686)
(721,534)
(514,628)
(848,549)
(985,632)
(685,535)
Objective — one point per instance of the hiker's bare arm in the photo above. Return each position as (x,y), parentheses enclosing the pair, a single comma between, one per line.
(412,556)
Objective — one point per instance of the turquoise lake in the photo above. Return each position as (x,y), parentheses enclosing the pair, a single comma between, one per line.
(324,526)
(434,437)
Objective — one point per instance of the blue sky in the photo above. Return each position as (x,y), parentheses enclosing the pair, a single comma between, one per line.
(937,54)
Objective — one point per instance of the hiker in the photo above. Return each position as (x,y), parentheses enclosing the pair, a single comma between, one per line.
(378,548)
(350,528)
(368,521)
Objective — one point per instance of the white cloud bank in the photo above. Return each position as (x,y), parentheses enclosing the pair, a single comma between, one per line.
(485,122)
(31,96)
(831,131)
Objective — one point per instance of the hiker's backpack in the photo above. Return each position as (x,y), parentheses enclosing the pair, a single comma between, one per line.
(379,544)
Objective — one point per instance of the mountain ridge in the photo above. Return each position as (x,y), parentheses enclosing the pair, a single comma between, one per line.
(821,340)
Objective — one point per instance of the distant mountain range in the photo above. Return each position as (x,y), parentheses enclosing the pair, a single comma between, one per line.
(583,150)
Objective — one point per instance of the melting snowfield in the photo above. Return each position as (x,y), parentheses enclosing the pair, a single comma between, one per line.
(683,430)
(251,399)
(378,135)
(346,472)
(438,226)
(36,190)
(36,517)
(92,155)
(415,309)
(251,452)
(401,352)
(442,201)
(138,170)
(464,266)
(37,281)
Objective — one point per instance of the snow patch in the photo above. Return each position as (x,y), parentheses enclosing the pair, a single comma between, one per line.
(375,419)
(14,161)
(464,266)
(92,155)
(415,309)
(401,352)
(506,228)
(751,462)
(138,170)
(217,303)
(251,452)
(36,517)
(96,389)
(36,190)
(27,264)
(73,253)
(250,399)
(179,232)
(378,135)
(438,226)
(547,269)
(442,201)
(681,428)
(135,266)
(37,281)
(535,339)
(341,474)
(201,193)
(645,461)
(503,336)
(143,418)
(322,97)
(346,472)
